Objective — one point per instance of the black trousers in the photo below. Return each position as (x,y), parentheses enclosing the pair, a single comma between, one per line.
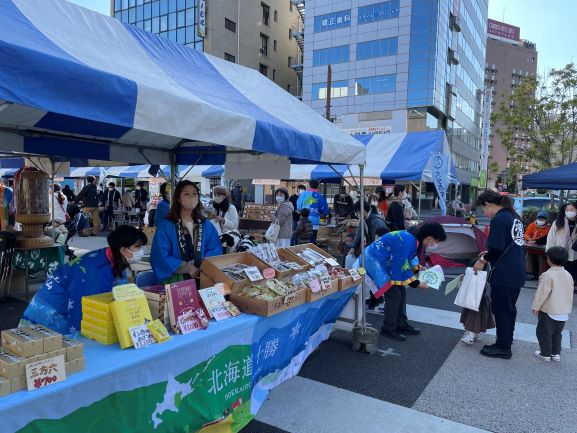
(549,334)
(503,300)
(395,308)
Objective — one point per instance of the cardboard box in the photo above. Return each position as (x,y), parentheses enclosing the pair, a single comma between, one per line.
(4,386)
(211,267)
(57,352)
(348,282)
(18,384)
(22,342)
(75,366)
(35,358)
(11,365)
(74,349)
(315,296)
(264,308)
(52,339)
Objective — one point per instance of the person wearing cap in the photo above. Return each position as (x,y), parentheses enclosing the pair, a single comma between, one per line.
(535,237)
(184,238)
(283,216)
(226,215)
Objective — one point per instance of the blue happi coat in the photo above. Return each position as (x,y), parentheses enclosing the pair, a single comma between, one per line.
(57,304)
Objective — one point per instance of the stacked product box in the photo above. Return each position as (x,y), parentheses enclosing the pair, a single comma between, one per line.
(156,297)
(97,322)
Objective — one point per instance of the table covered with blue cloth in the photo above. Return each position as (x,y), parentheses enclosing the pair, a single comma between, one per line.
(206,381)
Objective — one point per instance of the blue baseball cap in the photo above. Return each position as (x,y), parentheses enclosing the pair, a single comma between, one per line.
(543,214)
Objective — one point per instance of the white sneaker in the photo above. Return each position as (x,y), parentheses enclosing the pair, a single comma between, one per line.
(467,338)
(542,358)
(556,358)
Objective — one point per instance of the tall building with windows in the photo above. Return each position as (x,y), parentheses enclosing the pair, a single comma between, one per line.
(400,65)
(256,34)
(509,60)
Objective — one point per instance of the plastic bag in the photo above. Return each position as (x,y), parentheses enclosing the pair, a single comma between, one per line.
(272,232)
(471,290)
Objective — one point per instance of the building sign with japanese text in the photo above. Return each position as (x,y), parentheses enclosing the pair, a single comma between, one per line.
(332,21)
(201,18)
(503,32)
(378,12)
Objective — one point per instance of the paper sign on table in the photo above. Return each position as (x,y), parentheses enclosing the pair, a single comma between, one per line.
(452,285)
(125,292)
(46,372)
(326,283)
(354,274)
(253,273)
(315,285)
(268,273)
(187,323)
(141,336)
(332,262)
(431,277)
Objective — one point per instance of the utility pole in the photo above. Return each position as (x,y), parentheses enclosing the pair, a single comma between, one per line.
(329,89)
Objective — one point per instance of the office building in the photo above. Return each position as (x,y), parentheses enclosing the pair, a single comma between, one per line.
(400,65)
(509,60)
(253,33)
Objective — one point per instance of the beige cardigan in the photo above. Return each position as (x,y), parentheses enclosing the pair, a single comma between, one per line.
(555,292)
(562,238)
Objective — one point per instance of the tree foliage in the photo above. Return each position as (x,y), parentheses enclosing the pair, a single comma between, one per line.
(537,122)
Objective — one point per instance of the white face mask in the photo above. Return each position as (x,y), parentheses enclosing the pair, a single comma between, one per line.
(433,246)
(280,198)
(300,191)
(541,223)
(218,199)
(136,256)
(374,203)
(571,214)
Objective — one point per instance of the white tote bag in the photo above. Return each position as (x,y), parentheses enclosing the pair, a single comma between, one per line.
(471,290)
(272,233)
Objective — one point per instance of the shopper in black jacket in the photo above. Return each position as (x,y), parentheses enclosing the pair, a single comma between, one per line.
(296,215)
(111,200)
(89,199)
(395,215)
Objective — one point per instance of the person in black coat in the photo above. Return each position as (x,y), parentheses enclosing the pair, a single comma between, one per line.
(110,200)
(296,215)
(89,199)
(395,215)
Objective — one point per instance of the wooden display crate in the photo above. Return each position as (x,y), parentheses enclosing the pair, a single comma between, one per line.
(300,248)
(264,308)
(347,283)
(315,296)
(286,256)
(211,268)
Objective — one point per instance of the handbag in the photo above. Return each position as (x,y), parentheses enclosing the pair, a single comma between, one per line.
(471,290)
(272,232)
(66,214)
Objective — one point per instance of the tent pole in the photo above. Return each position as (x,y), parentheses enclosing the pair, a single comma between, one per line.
(420,195)
(362,223)
(52,204)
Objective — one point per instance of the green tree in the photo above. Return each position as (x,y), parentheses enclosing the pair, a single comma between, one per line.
(537,122)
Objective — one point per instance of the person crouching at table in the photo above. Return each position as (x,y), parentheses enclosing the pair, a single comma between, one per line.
(183,238)
(536,235)
(58,303)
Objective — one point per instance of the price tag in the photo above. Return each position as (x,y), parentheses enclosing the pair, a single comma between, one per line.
(253,273)
(187,323)
(331,262)
(354,274)
(315,286)
(326,283)
(141,336)
(268,273)
(40,374)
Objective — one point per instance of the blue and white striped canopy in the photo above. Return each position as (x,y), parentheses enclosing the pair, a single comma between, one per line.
(88,86)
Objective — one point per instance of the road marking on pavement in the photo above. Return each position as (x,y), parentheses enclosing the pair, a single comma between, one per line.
(389,352)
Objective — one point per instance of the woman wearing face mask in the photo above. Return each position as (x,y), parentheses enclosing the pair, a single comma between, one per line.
(507,258)
(395,214)
(184,238)
(563,233)
(57,304)
(226,218)
(536,238)
(283,216)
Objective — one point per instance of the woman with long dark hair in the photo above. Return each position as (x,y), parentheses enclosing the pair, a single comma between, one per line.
(563,233)
(57,304)
(506,254)
(226,218)
(184,238)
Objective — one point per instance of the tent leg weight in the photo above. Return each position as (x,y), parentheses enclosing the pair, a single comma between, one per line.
(365,339)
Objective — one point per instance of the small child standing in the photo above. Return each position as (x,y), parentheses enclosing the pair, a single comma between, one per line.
(553,302)
(304,231)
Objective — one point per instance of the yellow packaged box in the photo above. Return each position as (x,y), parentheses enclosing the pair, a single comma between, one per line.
(96,314)
(99,302)
(4,386)
(18,383)
(129,313)
(22,342)
(11,365)
(97,334)
(74,366)
(74,349)
(52,339)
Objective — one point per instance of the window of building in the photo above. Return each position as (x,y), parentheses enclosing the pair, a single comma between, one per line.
(290,33)
(290,5)
(377,48)
(264,44)
(290,61)
(374,85)
(275,16)
(229,57)
(273,74)
(263,69)
(378,12)
(265,13)
(274,45)
(339,89)
(230,25)
(332,21)
(288,88)
(330,56)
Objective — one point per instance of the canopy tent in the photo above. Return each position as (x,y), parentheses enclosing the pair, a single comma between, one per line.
(564,177)
(76,83)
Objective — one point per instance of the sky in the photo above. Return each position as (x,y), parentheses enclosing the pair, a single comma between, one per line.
(550,24)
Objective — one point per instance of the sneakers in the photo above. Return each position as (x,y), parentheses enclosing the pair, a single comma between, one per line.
(543,358)
(556,358)
(467,338)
